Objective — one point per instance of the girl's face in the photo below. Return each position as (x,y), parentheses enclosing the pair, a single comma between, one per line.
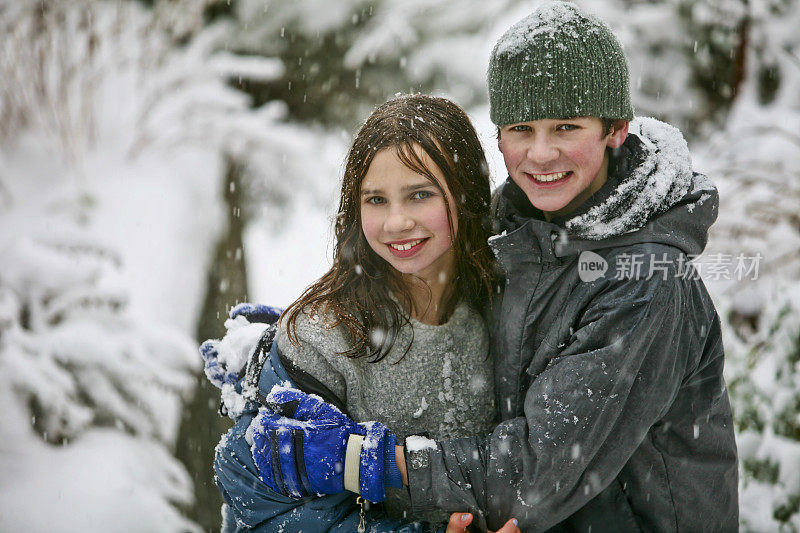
(404,217)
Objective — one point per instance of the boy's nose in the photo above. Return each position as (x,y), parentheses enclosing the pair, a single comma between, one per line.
(398,221)
(542,151)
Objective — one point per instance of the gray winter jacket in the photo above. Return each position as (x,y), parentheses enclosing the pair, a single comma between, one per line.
(615,414)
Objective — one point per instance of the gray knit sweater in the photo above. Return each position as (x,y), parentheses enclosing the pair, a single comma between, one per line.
(442,387)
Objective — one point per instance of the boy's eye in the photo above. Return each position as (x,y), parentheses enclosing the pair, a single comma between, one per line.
(421,195)
(520,127)
(566,127)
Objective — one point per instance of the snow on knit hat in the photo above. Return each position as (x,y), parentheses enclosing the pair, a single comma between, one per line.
(558,62)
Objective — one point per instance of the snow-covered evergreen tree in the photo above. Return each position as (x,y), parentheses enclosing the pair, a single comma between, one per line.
(118,124)
(113,142)
(753,157)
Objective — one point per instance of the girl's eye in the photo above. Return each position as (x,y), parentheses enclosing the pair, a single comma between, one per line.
(376,200)
(566,127)
(421,195)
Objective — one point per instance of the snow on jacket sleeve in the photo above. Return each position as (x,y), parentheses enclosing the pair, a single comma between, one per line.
(584,415)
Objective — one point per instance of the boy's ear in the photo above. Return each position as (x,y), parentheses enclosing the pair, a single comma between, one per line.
(618,134)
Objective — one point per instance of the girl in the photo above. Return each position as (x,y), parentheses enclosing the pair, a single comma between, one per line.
(394,332)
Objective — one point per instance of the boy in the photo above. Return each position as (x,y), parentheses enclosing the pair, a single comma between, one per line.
(608,355)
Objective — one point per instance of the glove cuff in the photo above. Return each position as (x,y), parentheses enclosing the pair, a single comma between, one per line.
(371,479)
(391,473)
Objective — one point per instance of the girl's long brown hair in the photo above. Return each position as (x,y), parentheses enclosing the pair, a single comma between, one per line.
(362,291)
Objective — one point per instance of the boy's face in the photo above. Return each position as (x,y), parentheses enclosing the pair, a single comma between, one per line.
(559,164)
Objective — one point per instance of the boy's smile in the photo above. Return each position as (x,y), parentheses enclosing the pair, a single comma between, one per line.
(559,163)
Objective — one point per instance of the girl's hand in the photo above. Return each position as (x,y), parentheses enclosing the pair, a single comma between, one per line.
(459,521)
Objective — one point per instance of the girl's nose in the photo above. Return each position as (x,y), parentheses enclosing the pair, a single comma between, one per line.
(398,221)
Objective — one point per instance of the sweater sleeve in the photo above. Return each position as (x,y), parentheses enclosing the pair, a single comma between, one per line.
(584,416)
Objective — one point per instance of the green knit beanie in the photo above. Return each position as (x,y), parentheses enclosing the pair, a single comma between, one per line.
(558,62)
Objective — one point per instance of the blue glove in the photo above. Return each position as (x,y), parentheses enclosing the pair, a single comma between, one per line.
(300,448)
(257,313)
(217,371)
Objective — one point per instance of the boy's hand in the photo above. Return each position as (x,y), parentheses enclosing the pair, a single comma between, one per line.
(460,521)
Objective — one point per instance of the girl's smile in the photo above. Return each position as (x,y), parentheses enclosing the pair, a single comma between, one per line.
(406,248)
